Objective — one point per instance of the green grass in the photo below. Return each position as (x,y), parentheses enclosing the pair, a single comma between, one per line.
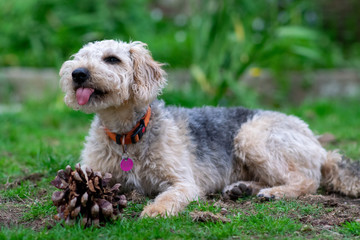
(260,224)
(40,138)
(351,229)
(45,137)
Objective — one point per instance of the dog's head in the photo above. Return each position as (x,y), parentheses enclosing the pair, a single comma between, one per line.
(110,73)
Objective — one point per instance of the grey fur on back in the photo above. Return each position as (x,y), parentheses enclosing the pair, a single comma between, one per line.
(212,131)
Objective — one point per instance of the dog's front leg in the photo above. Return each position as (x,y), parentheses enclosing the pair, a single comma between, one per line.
(172,201)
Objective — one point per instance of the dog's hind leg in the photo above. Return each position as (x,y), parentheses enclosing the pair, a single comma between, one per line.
(279,152)
(295,186)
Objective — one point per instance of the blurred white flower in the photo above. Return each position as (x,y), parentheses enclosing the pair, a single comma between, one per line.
(180,36)
(258,24)
(180,20)
(156,14)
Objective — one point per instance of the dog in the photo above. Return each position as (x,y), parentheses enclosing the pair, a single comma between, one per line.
(178,155)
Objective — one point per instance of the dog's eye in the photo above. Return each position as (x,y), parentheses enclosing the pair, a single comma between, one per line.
(112,60)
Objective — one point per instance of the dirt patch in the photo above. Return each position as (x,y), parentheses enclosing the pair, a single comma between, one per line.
(12,212)
(199,216)
(337,210)
(331,210)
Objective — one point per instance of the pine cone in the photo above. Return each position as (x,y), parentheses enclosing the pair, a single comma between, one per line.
(87,195)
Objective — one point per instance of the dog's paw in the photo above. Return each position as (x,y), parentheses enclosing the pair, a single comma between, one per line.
(268,194)
(156,210)
(237,190)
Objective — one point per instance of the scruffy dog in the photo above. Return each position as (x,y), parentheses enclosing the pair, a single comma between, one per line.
(180,154)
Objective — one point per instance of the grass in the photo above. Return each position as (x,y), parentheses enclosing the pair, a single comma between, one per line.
(45,137)
(351,228)
(40,138)
(260,224)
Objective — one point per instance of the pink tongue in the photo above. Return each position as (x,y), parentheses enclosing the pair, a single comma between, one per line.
(83,95)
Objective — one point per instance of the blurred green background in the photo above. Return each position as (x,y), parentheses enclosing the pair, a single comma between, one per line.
(210,46)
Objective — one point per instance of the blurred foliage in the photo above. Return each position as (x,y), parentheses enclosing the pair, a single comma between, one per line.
(219,41)
(340,19)
(43,33)
(238,36)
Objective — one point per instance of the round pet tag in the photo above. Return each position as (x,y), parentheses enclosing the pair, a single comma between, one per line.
(126,164)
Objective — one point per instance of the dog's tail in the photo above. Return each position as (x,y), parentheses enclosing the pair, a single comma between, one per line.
(340,174)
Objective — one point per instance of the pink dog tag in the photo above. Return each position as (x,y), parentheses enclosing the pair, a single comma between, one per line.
(126,164)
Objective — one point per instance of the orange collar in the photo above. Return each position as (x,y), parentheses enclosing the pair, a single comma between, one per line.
(135,134)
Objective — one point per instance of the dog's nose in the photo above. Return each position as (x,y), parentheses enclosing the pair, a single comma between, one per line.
(80,75)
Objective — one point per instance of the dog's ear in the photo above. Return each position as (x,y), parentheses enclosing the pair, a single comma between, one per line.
(149,78)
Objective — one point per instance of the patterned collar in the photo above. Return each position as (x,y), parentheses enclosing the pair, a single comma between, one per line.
(135,134)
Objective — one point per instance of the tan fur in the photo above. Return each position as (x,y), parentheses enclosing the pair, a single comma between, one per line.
(274,154)
(159,172)
(281,151)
